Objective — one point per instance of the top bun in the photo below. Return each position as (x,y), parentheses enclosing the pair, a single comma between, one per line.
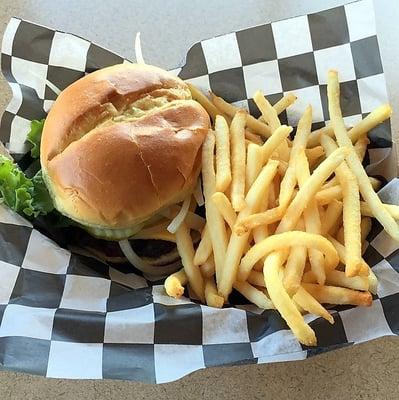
(120,144)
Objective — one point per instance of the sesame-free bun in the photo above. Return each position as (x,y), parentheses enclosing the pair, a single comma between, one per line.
(120,144)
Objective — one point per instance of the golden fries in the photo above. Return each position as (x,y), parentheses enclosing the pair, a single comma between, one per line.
(339,278)
(351,212)
(331,216)
(283,241)
(295,265)
(309,189)
(326,196)
(253,137)
(208,268)
(254,164)
(174,284)
(238,160)
(376,117)
(252,123)
(281,213)
(237,243)
(269,114)
(223,167)
(369,195)
(311,305)
(283,303)
(211,294)
(253,295)
(225,208)
(391,208)
(204,101)
(186,251)
(279,135)
(216,226)
(204,248)
(312,219)
(361,148)
(338,295)
(286,101)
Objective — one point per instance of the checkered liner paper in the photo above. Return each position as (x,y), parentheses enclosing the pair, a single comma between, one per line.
(68,316)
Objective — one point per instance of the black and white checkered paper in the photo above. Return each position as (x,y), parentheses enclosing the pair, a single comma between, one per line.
(67,316)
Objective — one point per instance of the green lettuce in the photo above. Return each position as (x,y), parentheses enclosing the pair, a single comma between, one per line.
(28,197)
(34,136)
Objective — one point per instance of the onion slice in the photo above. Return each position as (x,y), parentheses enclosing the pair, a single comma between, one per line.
(137,49)
(144,266)
(180,217)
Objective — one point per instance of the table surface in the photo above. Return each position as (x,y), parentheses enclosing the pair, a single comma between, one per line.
(168,28)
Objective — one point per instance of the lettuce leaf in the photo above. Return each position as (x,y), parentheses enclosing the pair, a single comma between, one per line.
(28,197)
(34,136)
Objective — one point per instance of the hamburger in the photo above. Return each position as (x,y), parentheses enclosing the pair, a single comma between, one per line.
(119,147)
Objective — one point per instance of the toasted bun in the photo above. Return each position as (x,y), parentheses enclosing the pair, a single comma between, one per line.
(120,144)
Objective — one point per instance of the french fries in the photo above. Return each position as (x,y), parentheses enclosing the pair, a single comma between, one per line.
(204,248)
(254,164)
(286,220)
(338,295)
(253,295)
(237,131)
(376,117)
(269,114)
(211,294)
(283,302)
(285,240)
(295,265)
(225,208)
(368,193)
(186,251)
(216,225)
(311,305)
(286,101)
(204,101)
(339,278)
(312,219)
(279,135)
(309,189)
(331,216)
(208,268)
(223,167)
(351,212)
(237,243)
(252,123)
(174,284)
